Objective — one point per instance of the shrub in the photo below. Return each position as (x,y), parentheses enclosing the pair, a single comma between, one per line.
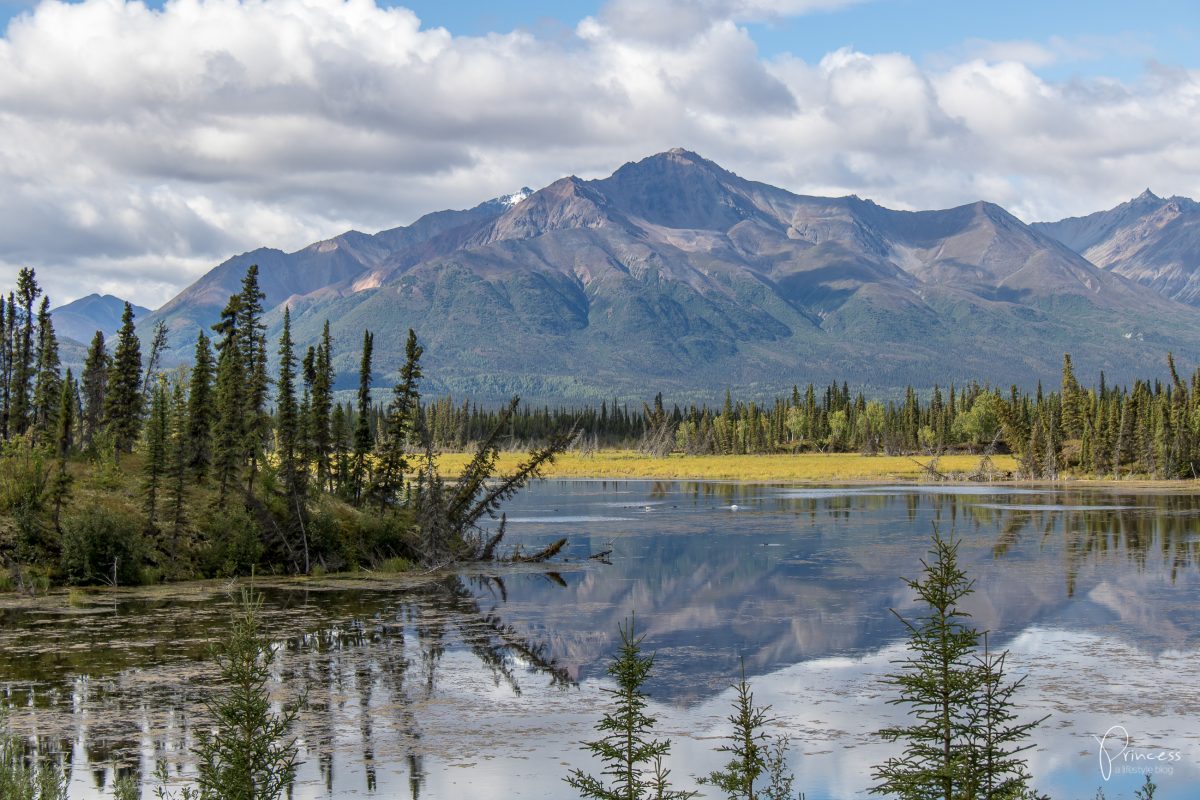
(23,480)
(102,545)
(234,542)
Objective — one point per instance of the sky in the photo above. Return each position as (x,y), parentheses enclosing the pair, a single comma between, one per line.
(142,144)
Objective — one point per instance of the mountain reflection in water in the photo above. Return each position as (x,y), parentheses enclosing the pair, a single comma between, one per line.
(483,683)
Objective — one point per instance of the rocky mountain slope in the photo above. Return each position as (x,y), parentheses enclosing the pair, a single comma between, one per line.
(674,274)
(1152,240)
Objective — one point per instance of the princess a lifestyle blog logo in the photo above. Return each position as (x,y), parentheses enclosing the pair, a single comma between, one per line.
(1118,755)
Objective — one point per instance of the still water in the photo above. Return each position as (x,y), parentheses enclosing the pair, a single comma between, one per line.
(483,684)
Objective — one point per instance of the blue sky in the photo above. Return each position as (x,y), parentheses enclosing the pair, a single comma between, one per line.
(1121,36)
(139,148)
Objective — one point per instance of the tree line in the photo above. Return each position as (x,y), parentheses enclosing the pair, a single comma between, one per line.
(1149,429)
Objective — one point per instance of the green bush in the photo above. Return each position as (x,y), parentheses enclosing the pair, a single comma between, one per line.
(233,540)
(23,481)
(102,545)
(352,539)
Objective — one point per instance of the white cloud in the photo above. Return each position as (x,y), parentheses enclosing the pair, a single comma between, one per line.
(139,147)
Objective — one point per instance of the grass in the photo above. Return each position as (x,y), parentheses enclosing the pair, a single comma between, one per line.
(809,467)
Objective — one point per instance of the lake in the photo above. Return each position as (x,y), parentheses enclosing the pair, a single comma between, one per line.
(482,684)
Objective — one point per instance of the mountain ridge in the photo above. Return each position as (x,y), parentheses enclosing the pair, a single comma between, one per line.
(80,319)
(1152,240)
(674,273)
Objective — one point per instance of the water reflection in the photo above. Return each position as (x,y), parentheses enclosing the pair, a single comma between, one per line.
(479,683)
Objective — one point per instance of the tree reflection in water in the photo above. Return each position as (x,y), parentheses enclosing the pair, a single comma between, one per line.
(376,661)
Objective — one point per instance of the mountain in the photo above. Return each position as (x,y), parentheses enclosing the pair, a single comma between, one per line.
(675,274)
(344,259)
(79,320)
(1152,240)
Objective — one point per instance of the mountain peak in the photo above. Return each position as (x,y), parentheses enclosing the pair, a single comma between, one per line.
(1147,195)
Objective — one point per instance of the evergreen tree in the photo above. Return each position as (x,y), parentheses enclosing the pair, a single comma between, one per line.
(962,738)
(1072,421)
(752,753)
(400,424)
(123,395)
(292,471)
(625,747)
(230,419)
(95,382)
(321,408)
(252,343)
(23,366)
(249,755)
(157,431)
(198,446)
(339,436)
(47,387)
(995,737)
(63,438)
(158,343)
(362,428)
(177,454)
(6,361)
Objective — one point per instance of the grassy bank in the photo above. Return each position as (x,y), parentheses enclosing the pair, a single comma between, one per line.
(807,467)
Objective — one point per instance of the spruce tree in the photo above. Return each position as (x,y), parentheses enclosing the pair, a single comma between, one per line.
(23,367)
(47,386)
(321,408)
(400,424)
(123,393)
(252,342)
(753,753)
(177,466)
(631,758)
(995,736)
(292,471)
(158,343)
(157,431)
(362,427)
(229,424)
(962,737)
(198,445)
(339,437)
(95,382)
(5,367)
(64,436)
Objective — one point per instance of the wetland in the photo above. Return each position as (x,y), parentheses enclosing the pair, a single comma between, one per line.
(482,682)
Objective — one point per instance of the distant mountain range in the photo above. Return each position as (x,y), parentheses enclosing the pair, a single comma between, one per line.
(677,275)
(1152,240)
(79,320)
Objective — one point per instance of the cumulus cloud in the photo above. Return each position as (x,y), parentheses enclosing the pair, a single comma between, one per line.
(140,146)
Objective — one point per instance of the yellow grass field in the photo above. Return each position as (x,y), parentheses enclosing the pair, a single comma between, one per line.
(806,467)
